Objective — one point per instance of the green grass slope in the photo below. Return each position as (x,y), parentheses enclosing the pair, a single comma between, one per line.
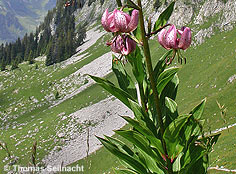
(26,110)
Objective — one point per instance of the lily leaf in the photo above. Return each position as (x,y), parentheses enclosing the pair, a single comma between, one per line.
(124,80)
(198,110)
(190,157)
(193,128)
(127,171)
(110,87)
(136,165)
(121,146)
(140,141)
(170,89)
(170,110)
(137,62)
(143,117)
(165,77)
(196,157)
(152,164)
(172,137)
(137,33)
(177,163)
(139,127)
(164,16)
(154,141)
(161,64)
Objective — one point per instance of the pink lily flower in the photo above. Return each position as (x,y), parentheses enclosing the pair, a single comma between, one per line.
(169,39)
(123,45)
(119,21)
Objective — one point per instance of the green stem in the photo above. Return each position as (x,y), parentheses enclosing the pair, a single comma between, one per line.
(157,31)
(153,84)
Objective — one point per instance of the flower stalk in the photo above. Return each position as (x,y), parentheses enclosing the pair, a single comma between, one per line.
(157,31)
(147,55)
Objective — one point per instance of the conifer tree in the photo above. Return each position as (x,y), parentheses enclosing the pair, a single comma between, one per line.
(30,57)
(14,64)
(3,65)
(49,58)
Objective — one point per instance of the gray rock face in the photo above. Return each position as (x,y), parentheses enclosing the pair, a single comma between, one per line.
(91,13)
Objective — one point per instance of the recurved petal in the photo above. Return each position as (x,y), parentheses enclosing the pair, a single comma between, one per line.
(121,20)
(171,38)
(117,43)
(161,38)
(111,23)
(129,47)
(104,21)
(186,38)
(115,50)
(133,21)
(180,32)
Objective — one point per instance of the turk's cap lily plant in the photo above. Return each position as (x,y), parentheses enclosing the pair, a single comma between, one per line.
(119,21)
(161,140)
(169,38)
(122,44)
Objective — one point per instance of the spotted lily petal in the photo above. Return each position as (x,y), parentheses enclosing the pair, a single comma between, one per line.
(121,20)
(161,38)
(116,45)
(133,21)
(123,45)
(104,21)
(171,38)
(180,32)
(185,39)
(130,46)
(111,23)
